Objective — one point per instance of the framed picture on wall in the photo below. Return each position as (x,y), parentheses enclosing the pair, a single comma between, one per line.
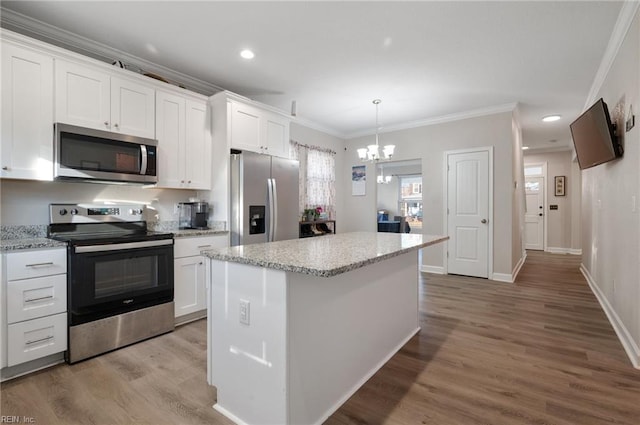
(560,183)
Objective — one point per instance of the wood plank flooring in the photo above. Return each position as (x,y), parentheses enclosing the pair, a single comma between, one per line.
(539,351)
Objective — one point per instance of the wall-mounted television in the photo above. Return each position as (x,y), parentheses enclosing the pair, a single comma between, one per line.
(594,137)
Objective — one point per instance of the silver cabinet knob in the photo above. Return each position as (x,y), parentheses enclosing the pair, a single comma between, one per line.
(106,123)
(116,125)
(483,221)
(5,168)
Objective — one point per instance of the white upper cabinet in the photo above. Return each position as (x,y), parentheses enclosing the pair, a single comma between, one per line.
(276,135)
(90,97)
(246,127)
(198,145)
(184,142)
(258,130)
(26,149)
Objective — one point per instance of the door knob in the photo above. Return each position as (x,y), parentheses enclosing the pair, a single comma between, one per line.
(483,221)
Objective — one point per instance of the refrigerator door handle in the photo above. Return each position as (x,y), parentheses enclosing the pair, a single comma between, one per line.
(274,210)
(271,209)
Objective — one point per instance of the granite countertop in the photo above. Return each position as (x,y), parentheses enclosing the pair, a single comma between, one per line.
(328,255)
(7,245)
(186,233)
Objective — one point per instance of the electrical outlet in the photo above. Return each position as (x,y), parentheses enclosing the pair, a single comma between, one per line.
(244,312)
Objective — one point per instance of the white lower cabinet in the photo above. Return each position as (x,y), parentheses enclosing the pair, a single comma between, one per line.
(32,339)
(34,296)
(189,274)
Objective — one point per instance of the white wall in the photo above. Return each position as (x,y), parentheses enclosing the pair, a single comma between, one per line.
(563,224)
(610,218)
(27,202)
(429,143)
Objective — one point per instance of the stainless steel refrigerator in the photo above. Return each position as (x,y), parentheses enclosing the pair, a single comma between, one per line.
(264,198)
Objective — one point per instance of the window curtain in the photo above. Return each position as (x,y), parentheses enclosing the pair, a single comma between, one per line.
(317,177)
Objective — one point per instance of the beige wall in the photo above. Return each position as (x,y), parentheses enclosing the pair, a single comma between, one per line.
(429,143)
(563,224)
(610,223)
(518,206)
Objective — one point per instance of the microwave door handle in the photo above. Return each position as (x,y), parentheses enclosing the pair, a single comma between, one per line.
(143,162)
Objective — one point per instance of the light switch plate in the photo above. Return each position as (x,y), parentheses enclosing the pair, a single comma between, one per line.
(245,312)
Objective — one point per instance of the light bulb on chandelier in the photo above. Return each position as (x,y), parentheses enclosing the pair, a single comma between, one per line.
(372,152)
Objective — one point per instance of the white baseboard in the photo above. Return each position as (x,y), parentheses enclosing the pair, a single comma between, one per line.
(228,414)
(365,378)
(518,266)
(630,346)
(557,250)
(432,269)
(502,277)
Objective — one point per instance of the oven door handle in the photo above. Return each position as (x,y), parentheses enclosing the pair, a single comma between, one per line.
(122,246)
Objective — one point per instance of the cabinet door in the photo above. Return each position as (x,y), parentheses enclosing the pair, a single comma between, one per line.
(245,127)
(198,146)
(82,96)
(189,289)
(170,130)
(276,135)
(26,150)
(132,108)
(32,339)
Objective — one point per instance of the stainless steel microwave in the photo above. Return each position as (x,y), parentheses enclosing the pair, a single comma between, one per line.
(88,154)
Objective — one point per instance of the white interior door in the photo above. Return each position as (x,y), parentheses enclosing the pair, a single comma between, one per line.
(468,213)
(534,216)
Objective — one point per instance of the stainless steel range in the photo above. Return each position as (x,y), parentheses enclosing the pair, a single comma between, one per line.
(120,276)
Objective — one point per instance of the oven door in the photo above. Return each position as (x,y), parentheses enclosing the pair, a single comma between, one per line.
(105,280)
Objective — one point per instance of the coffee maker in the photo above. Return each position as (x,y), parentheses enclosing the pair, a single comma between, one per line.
(193,215)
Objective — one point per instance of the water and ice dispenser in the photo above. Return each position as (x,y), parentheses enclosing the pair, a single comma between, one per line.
(256,219)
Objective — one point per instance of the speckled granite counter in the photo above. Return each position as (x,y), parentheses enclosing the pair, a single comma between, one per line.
(14,238)
(215,228)
(328,255)
(29,243)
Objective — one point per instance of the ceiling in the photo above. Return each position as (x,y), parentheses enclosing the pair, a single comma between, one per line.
(424,60)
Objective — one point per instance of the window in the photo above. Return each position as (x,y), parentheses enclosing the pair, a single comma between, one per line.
(410,202)
(317,183)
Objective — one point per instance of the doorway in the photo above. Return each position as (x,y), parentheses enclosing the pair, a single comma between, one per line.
(399,196)
(534,215)
(535,204)
(469,211)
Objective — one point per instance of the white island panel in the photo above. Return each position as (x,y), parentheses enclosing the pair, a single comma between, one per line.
(343,329)
(248,363)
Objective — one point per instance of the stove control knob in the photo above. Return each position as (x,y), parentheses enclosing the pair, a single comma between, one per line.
(63,211)
(136,211)
(74,211)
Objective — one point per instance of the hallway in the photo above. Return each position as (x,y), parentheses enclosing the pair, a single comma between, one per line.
(540,351)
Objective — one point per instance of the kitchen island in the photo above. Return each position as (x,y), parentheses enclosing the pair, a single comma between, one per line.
(296,327)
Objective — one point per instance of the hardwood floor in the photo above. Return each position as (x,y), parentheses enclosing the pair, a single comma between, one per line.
(538,351)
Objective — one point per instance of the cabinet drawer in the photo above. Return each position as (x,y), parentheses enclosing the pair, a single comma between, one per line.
(28,264)
(38,297)
(36,338)
(188,247)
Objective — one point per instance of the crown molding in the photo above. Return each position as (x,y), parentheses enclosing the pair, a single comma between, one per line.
(623,23)
(318,127)
(490,110)
(48,33)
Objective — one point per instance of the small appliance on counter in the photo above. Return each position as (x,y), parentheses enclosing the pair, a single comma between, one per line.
(193,215)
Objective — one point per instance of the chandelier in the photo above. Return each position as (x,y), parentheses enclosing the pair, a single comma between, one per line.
(382,179)
(372,152)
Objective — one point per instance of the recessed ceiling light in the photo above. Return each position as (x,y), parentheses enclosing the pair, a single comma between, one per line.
(247,54)
(524,148)
(551,118)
